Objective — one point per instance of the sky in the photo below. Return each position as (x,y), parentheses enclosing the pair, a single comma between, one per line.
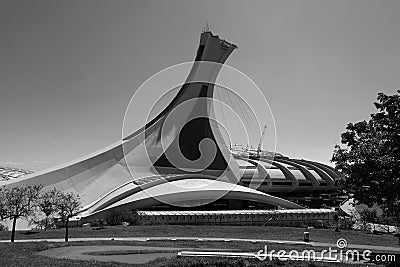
(69,68)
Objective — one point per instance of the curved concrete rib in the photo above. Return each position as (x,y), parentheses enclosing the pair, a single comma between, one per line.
(328,169)
(329,180)
(262,174)
(285,171)
(308,175)
(190,191)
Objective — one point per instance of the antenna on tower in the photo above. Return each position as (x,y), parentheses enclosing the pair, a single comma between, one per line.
(206,28)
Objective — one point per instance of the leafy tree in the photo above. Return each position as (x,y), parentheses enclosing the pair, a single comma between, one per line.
(48,205)
(40,223)
(370,159)
(17,202)
(68,205)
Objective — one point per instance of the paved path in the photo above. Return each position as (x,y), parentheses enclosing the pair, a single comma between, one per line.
(205,239)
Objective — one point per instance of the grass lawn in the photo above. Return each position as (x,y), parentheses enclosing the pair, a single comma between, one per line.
(257,232)
(24,254)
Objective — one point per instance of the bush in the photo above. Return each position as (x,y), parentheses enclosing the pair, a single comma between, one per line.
(116,218)
(131,217)
(3,227)
(100,223)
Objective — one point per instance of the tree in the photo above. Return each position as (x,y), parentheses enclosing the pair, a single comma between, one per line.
(48,204)
(41,223)
(370,159)
(369,216)
(114,217)
(17,202)
(68,205)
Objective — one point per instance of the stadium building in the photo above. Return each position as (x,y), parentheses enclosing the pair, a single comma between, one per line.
(140,172)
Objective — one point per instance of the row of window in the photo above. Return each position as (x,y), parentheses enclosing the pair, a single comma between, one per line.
(243,216)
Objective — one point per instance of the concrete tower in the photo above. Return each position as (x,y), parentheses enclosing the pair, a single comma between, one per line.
(157,163)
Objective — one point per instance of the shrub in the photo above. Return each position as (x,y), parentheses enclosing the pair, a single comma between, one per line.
(114,217)
(100,223)
(3,227)
(131,217)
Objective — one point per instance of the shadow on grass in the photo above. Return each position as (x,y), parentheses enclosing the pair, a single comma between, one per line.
(29,232)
